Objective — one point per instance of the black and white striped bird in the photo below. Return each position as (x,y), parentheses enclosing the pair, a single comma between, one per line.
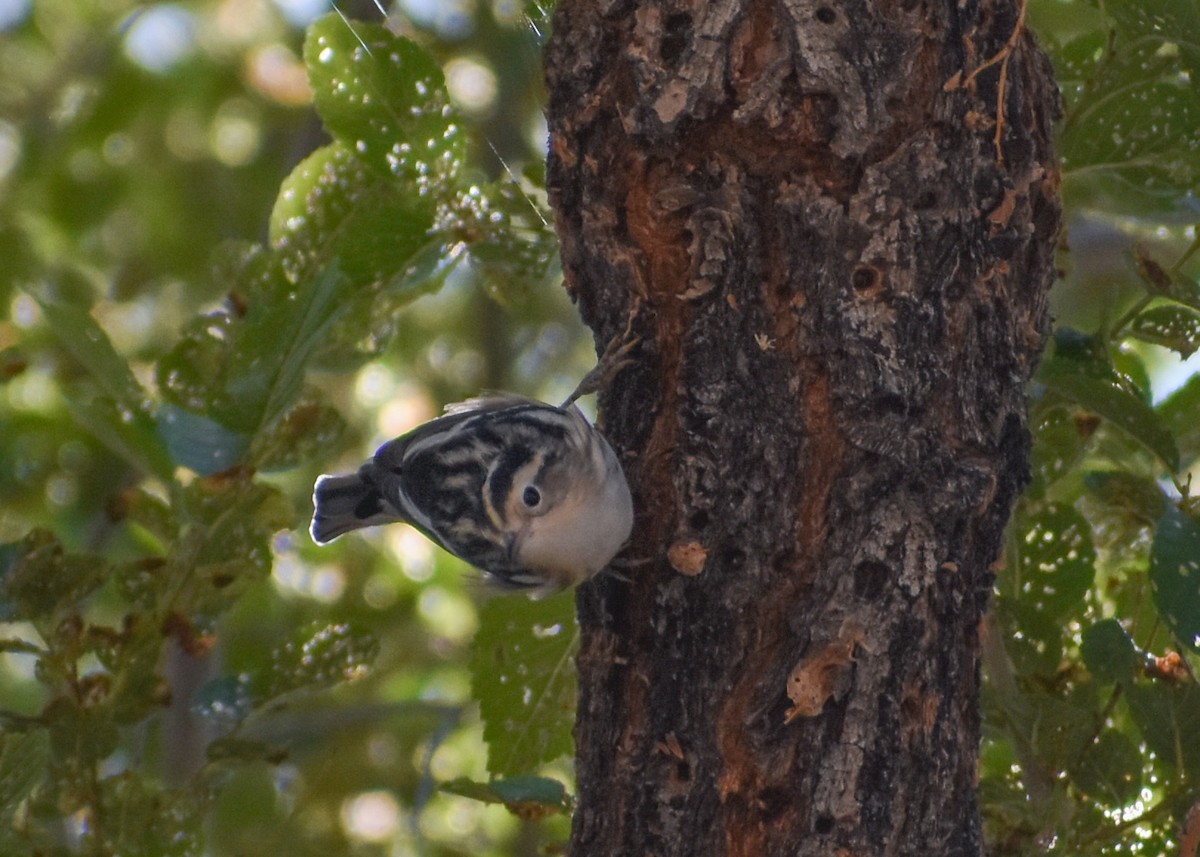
(529,493)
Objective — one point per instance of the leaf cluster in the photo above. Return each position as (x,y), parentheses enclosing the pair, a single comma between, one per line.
(1091,651)
(155,684)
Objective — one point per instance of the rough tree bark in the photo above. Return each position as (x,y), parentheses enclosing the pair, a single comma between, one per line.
(833,222)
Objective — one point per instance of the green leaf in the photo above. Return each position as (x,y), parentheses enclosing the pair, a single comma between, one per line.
(1109,652)
(1034,641)
(513,242)
(225,701)
(369,324)
(231,377)
(23,758)
(1167,716)
(1055,564)
(1131,374)
(227,523)
(384,97)
(1173,24)
(1174,327)
(522,675)
(1175,574)
(1110,770)
(304,433)
(1139,496)
(1074,39)
(333,206)
(86,734)
(130,434)
(1184,290)
(1133,126)
(1058,443)
(527,796)
(87,342)
(1072,344)
(1180,414)
(539,16)
(153,821)
(272,346)
(38,577)
(1058,727)
(1094,386)
(317,657)
(120,418)
(320,656)
(199,443)
(429,267)
(192,374)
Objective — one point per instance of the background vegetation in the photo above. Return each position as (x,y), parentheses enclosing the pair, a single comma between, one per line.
(234,254)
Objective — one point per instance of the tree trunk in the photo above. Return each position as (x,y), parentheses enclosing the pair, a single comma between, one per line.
(833,223)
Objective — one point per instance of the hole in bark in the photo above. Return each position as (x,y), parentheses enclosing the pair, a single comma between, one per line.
(913,711)
(925,200)
(870,576)
(698,520)
(677,32)
(865,278)
(774,803)
(784,562)
(824,823)
(826,15)
(892,403)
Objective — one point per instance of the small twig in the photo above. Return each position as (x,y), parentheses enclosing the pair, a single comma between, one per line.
(1100,721)
(1001,56)
(1130,314)
(1187,254)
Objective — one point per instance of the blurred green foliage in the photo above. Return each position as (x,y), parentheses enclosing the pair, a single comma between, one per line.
(238,251)
(201,295)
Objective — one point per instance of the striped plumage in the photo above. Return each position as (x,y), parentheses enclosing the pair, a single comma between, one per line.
(530,493)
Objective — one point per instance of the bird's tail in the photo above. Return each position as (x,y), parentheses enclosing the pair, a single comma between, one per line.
(345,503)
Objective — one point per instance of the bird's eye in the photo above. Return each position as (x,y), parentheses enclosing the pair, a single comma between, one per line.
(531,497)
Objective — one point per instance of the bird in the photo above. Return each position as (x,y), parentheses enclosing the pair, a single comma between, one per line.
(532,494)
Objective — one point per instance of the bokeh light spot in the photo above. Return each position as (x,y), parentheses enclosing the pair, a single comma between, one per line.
(301,13)
(14,12)
(414,553)
(472,85)
(236,133)
(371,816)
(161,37)
(279,74)
(10,147)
